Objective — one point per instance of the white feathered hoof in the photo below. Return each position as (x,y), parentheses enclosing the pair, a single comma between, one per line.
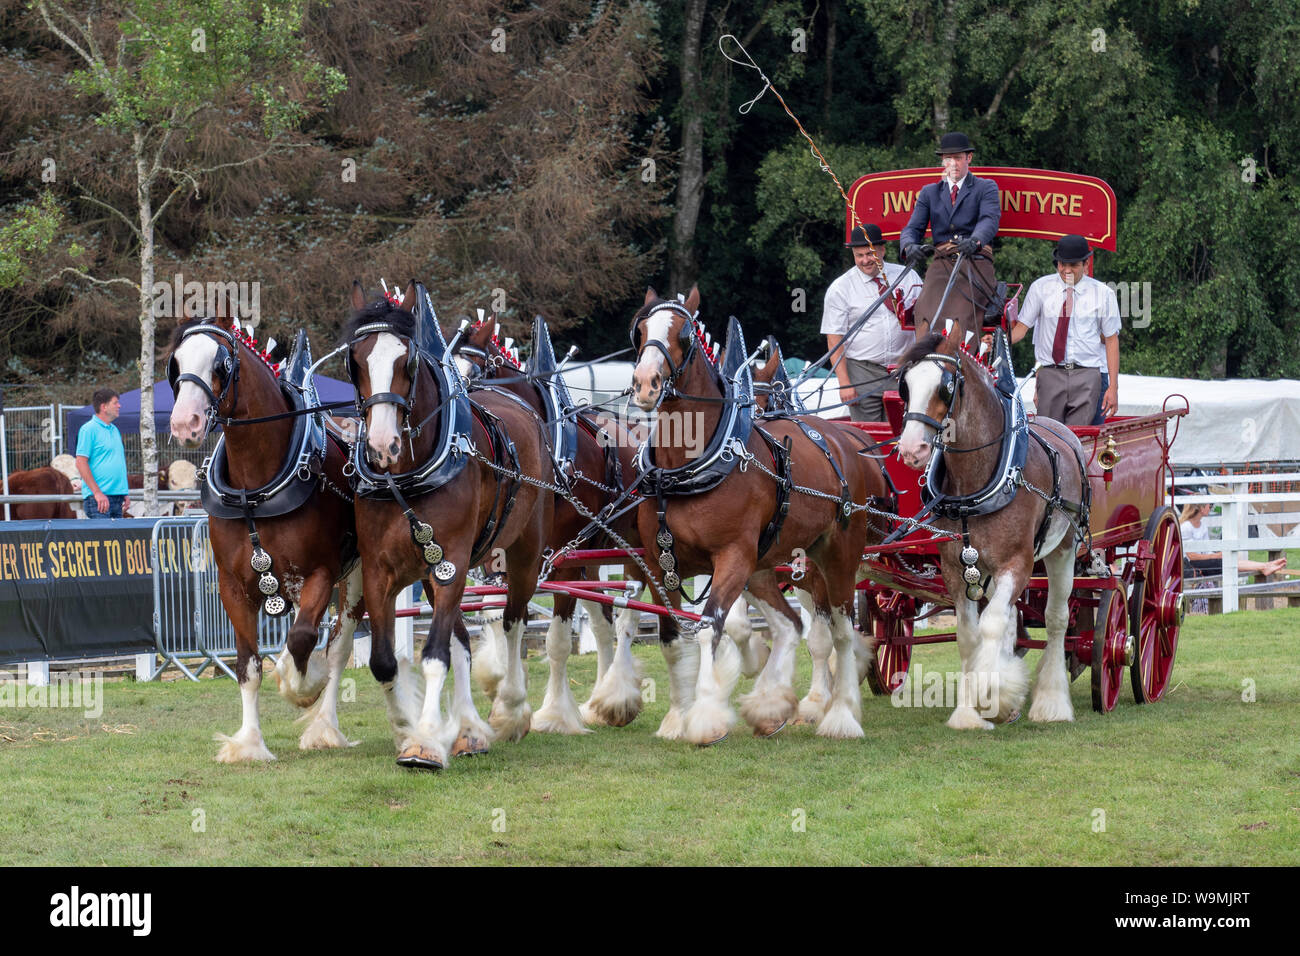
(767,712)
(811,710)
(707,722)
(589,714)
(242,748)
(840,724)
(301,690)
(1051,708)
(558,719)
(421,754)
(486,668)
(616,701)
(510,722)
(966,718)
(672,727)
(1013,688)
(322,735)
(619,710)
(469,744)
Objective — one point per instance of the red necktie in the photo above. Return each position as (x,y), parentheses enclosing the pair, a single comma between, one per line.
(889,303)
(954,194)
(1062,327)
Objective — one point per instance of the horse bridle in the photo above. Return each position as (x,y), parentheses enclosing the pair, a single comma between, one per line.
(686,341)
(405,403)
(951,384)
(225,366)
(491,363)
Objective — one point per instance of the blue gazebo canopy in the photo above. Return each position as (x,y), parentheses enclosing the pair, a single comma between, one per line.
(329,390)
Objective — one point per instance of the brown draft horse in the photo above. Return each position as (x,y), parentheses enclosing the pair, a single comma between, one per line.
(718,531)
(946,387)
(402,422)
(215,374)
(616,696)
(813,706)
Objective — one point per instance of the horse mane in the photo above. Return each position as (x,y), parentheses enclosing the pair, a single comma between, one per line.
(712,352)
(178,333)
(921,349)
(510,355)
(399,320)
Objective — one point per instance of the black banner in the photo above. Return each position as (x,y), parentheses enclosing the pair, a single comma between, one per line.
(80,588)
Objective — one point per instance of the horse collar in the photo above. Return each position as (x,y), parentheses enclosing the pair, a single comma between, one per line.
(1005,480)
(450,452)
(292,485)
(726,447)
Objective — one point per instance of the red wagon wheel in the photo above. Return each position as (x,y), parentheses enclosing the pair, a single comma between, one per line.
(889,617)
(1156,608)
(1111,651)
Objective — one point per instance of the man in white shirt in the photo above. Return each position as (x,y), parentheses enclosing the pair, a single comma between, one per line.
(860,366)
(1076,323)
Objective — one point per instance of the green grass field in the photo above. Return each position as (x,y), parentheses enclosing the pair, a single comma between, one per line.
(1202,777)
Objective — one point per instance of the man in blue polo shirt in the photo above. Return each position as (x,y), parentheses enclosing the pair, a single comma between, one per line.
(101,459)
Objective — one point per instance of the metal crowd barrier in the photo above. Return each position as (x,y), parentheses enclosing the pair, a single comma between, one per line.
(188,619)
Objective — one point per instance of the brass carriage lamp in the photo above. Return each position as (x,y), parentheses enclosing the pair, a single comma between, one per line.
(1108,458)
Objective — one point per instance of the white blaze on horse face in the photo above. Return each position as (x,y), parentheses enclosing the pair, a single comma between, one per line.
(384,437)
(465,366)
(194,356)
(914,443)
(645,388)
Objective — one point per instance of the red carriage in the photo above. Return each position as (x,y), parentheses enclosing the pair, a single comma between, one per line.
(1128,617)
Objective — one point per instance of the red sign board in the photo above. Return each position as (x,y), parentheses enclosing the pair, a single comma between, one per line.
(1036,203)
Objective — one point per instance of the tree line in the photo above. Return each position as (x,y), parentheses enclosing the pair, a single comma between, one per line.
(557,156)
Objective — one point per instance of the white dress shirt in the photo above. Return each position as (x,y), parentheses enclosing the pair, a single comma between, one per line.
(1095,315)
(880,339)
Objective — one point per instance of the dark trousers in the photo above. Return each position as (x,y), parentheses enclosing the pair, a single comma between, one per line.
(1068,395)
(870,378)
(967,299)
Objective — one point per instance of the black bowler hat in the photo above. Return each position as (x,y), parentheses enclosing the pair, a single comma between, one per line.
(954,143)
(1072,249)
(868,235)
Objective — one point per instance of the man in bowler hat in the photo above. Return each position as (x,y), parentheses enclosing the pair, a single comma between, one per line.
(1076,324)
(962,213)
(860,366)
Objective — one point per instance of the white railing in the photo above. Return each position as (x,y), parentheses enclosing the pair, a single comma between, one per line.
(1240,513)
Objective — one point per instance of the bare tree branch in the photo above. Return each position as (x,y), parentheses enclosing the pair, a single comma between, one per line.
(192,175)
(113,209)
(89,278)
(45,15)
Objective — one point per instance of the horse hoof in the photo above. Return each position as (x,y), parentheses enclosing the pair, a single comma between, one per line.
(710,743)
(468,746)
(1015,715)
(416,757)
(770,729)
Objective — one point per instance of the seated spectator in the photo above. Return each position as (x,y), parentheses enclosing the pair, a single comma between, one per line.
(1211,562)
